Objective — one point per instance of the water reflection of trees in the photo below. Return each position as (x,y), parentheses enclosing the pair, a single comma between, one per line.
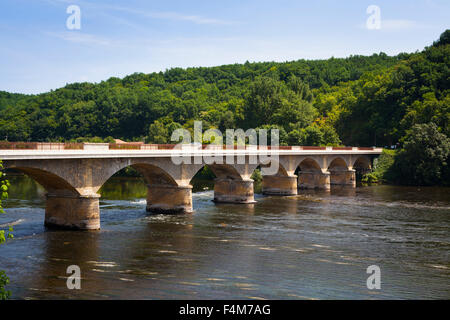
(23,187)
(123,188)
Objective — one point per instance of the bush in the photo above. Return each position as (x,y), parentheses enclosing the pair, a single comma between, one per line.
(424,157)
(370,178)
(4,280)
(256,175)
(383,166)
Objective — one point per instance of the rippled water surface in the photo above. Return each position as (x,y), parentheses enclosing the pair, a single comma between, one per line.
(312,246)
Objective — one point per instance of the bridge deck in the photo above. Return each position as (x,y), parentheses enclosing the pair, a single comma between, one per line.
(18,154)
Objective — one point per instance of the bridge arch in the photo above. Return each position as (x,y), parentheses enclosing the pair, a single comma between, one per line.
(280,168)
(154,174)
(52,183)
(311,175)
(362,163)
(337,164)
(362,166)
(236,172)
(309,164)
(341,172)
(281,183)
(164,194)
(151,173)
(225,171)
(69,205)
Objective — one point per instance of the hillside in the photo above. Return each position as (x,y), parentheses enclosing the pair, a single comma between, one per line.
(124,108)
(359,100)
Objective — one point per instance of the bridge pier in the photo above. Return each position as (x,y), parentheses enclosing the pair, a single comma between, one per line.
(169,199)
(279,185)
(233,191)
(314,180)
(72,212)
(343,177)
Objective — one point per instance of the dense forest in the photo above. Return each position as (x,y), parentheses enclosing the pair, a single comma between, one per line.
(360,100)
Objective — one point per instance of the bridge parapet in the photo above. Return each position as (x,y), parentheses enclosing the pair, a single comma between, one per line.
(5,145)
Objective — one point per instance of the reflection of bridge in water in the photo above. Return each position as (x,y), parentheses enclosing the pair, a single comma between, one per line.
(72,177)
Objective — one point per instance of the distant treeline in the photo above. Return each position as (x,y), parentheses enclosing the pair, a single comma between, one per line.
(359,100)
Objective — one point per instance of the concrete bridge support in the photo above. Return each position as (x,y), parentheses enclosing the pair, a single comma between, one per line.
(314,180)
(233,191)
(169,199)
(343,177)
(73,211)
(279,185)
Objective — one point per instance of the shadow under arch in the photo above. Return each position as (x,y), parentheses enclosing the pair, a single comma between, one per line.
(281,171)
(51,182)
(203,179)
(362,165)
(308,165)
(338,164)
(152,174)
(225,171)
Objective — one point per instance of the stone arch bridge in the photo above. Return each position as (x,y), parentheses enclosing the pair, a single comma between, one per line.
(72,178)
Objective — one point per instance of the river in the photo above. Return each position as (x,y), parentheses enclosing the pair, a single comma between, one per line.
(316,245)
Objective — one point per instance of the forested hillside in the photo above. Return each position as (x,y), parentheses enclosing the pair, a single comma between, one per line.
(231,96)
(360,101)
(379,107)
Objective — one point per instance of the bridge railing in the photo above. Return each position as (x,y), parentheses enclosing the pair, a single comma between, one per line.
(6,145)
(125,146)
(59,146)
(18,145)
(73,146)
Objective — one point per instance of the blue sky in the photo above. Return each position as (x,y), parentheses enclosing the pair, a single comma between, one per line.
(39,53)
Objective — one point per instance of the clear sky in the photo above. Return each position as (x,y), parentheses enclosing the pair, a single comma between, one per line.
(118,37)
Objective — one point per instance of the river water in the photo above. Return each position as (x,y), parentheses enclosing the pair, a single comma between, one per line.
(316,245)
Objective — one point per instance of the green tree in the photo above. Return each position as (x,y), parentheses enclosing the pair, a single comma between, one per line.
(157,133)
(384,166)
(264,98)
(161,130)
(314,135)
(270,101)
(443,39)
(424,157)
